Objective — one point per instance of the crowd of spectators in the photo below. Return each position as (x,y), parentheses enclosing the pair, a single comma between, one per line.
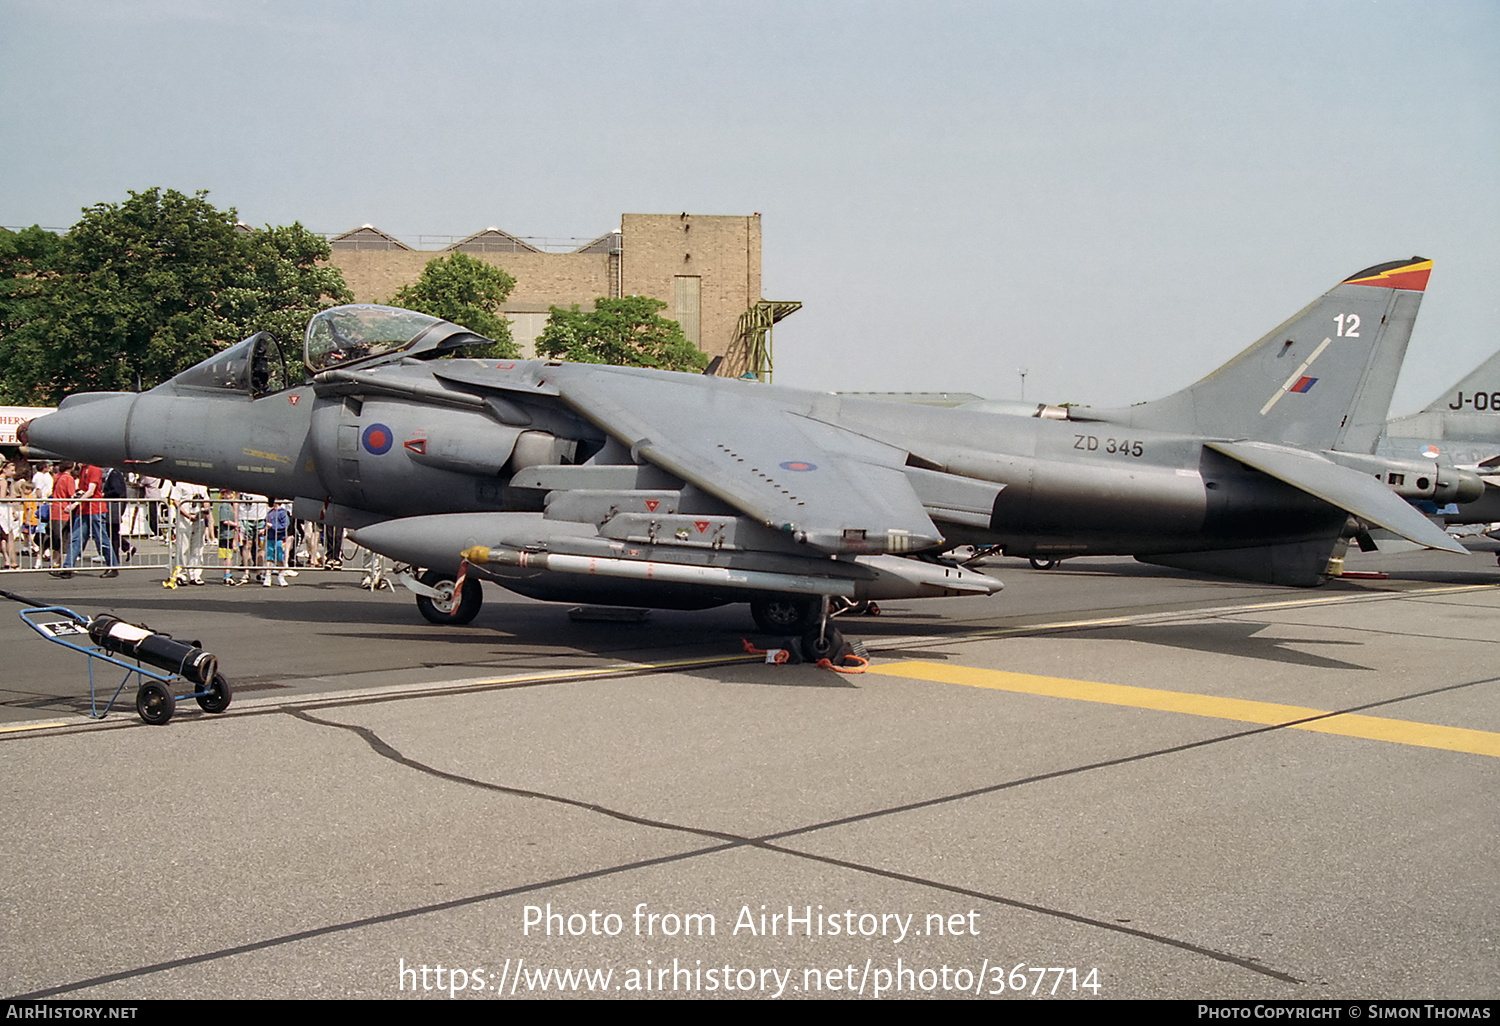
(51,513)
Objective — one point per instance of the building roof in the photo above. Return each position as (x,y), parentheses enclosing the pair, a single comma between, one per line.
(366,237)
(609,242)
(493,240)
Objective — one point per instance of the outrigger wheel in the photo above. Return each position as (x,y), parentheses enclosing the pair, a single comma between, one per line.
(154,703)
(216,698)
(1044,564)
(449,608)
(825,643)
(822,641)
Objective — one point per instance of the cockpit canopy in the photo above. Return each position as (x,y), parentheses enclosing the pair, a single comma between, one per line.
(343,336)
(253,367)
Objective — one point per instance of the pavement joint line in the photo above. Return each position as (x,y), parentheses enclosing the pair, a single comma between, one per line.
(1323,721)
(398,691)
(667,664)
(435,688)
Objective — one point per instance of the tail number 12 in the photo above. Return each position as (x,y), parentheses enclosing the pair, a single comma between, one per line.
(1348,325)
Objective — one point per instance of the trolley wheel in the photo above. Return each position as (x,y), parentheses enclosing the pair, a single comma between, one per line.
(455,609)
(1044,564)
(154,703)
(822,645)
(216,698)
(785,614)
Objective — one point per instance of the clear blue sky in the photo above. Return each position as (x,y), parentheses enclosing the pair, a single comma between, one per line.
(1117,196)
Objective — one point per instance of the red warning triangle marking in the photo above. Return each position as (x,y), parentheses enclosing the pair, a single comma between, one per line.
(651,504)
(702,525)
(417,445)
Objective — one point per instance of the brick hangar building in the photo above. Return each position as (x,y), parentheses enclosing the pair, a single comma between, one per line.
(705,268)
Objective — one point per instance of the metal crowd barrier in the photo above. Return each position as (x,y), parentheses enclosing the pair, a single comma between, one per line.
(140,534)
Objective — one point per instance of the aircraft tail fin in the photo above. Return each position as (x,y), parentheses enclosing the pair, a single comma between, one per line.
(1462,425)
(1474,393)
(1321,380)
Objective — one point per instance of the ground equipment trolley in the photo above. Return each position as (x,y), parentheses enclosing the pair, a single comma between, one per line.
(178,670)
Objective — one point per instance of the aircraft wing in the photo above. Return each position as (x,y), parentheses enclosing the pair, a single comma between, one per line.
(828,487)
(1350,490)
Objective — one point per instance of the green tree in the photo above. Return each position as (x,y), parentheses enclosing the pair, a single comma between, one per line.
(468,292)
(26,259)
(139,290)
(288,282)
(628,331)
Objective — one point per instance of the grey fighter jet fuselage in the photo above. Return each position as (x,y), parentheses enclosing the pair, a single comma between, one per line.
(582,482)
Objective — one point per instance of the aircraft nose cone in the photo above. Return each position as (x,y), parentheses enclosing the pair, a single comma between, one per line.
(88,427)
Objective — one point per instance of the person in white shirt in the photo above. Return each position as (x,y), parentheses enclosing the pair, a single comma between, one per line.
(189,515)
(42,479)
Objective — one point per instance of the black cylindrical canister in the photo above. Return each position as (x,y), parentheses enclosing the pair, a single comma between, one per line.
(160,650)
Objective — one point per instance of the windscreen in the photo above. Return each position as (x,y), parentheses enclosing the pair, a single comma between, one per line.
(349,334)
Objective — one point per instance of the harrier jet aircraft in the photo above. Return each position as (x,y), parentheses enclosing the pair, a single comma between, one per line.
(1462,424)
(1460,427)
(624,486)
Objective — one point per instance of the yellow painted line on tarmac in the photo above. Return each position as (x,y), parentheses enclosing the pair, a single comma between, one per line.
(1371,728)
(1213,611)
(17,728)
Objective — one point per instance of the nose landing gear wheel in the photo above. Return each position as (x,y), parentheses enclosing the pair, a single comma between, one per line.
(1044,564)
(449,608)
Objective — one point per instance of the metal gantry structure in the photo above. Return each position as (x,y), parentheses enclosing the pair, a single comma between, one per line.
(750,355)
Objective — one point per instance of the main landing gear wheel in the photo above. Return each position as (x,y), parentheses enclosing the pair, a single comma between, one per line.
(1044,564)
(154,703)
(216,698)
(785,614)
(449,608)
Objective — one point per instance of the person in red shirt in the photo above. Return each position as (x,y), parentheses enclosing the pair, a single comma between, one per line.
(58,512)
(89,522)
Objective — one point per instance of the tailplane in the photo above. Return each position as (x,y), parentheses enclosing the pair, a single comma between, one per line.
(1321,380)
